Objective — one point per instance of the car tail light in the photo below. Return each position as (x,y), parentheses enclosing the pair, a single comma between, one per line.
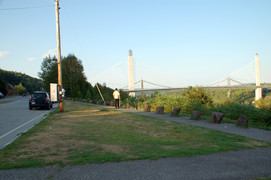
(47,98)
(30,98)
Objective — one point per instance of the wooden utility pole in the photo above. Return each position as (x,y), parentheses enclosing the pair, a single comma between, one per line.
(59,57)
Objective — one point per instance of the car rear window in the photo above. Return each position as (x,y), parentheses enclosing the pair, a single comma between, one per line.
(39,95)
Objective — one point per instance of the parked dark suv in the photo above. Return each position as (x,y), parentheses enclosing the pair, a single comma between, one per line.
(40,99)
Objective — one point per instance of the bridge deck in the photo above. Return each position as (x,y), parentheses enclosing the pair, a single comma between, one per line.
(206,87)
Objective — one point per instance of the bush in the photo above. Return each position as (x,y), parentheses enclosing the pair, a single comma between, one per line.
(129,100)
(190,100)
(186,104)
(260,116)
(199,94)
(263,103)
(20,89)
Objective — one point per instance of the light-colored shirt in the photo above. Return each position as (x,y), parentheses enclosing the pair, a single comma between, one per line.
(116,94)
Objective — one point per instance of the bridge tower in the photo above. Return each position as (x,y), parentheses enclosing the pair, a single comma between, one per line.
(142,87)
(229,85)
(131,73)
(258,91)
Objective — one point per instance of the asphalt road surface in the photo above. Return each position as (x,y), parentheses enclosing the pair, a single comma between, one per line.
(16,118)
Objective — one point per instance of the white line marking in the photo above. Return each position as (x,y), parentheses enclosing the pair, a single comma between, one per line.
(22,125)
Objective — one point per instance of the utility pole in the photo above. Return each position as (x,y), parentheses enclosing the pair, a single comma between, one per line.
(59,57)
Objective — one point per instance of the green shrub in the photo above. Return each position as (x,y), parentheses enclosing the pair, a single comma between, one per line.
(129,100)
(260,116)
(263,103)
(185,103)
(199,94)
(197,99)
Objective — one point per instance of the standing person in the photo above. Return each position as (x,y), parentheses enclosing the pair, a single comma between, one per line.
(116,96)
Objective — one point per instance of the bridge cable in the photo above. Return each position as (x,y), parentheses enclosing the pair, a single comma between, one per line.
(156,84)
(80,47)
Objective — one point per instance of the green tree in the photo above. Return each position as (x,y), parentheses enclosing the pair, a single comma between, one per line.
(20,89)
(48,72)
(88,95)
(14,78)
(73,78)
(198,93)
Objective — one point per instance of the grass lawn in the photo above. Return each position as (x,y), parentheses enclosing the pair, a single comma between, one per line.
(4,102)
(90,134)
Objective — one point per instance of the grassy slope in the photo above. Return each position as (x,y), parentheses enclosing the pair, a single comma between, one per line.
(89,134)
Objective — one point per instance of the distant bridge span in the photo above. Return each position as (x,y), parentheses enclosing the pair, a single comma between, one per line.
(206,87)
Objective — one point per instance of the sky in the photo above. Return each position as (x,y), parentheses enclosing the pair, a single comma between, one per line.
(191,41)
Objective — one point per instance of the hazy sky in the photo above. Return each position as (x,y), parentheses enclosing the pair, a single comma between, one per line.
(197,41)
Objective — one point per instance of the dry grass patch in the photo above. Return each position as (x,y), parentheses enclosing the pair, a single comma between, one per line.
(252,143)
(114,148)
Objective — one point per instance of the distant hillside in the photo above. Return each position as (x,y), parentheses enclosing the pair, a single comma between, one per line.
(14,78)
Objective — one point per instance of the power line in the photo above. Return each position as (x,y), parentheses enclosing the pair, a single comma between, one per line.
(22,8)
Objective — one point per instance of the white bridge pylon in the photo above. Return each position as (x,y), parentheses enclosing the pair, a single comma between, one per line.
(117,76)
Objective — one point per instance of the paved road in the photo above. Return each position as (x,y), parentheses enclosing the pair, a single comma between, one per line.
(16,118)
(247,164)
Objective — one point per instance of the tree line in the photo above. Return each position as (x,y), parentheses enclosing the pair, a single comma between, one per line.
(22,83)
(74,80)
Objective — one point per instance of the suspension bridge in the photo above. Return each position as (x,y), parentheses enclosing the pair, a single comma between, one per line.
(133,76)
